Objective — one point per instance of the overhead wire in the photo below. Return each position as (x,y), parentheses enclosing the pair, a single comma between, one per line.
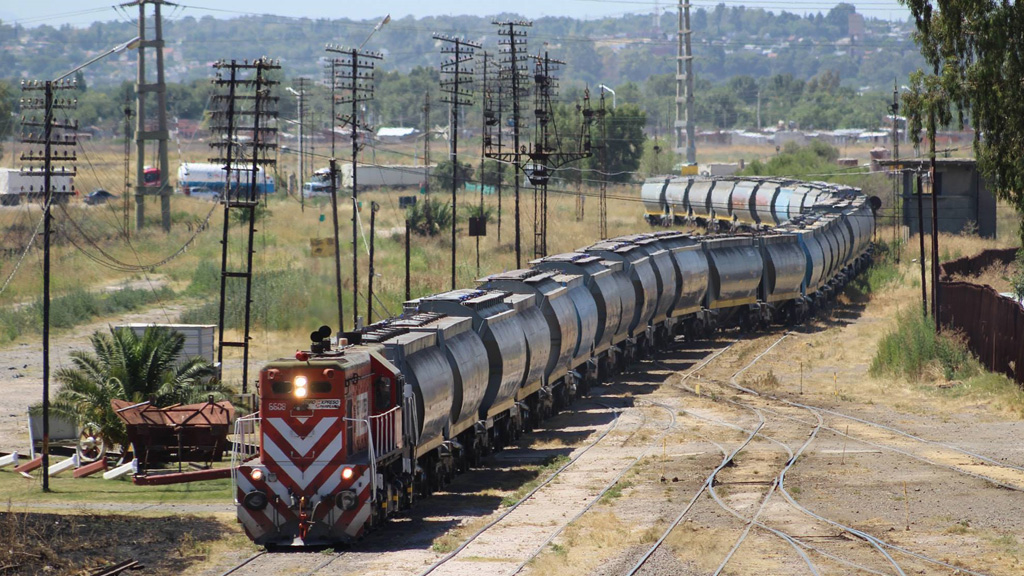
(28,246)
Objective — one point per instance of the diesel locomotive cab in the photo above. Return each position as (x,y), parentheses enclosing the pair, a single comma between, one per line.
(320,433)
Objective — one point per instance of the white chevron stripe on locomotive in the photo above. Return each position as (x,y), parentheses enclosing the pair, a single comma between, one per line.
(305,476)
(299,444)
(356,524)
(246,516)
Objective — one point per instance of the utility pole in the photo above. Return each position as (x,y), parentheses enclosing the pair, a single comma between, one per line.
(370,274)
(337,243)
(513,73)
(501,167)
(356,78)
(300,96)
(126,202)
(920,235)
(546,153)
(142,135)
(426,143)
(456,84)
(602,114)
(407,249)
(933,175)
(483,149)
(246,83)
(546,86)
(894,110)
(41,132)
(684,86)
(427,210)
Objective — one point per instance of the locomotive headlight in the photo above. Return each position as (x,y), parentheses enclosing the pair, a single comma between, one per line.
(256,475)
(300,386)
(347,473)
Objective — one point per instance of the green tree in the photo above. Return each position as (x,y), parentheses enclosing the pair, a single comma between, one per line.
(796,161)
(658,158)
(441,176)
(494,173)
(619,143)
(124,366)
(6,119)
(974,49)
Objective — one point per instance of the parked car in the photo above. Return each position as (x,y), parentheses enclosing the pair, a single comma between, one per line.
(98,196)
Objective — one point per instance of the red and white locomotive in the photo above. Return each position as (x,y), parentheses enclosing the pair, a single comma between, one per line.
(329,423)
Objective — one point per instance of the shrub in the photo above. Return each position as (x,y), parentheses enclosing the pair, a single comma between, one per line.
(1017,278)
(913,348)
(429,217)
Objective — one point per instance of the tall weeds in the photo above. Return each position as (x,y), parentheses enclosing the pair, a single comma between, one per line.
(914,351)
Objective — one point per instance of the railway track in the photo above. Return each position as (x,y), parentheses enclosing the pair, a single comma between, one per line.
(525,530)
(897,559)
(298,562)
(761,423)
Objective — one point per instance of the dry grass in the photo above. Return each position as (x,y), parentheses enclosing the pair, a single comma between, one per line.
(703,545)
(585,545)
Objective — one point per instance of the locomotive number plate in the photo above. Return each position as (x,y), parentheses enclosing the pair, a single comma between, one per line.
(276,407)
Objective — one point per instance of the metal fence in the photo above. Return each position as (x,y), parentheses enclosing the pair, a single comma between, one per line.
(972,266)
(993,324)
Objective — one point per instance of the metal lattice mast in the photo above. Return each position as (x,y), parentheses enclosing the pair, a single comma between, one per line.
(243,111)
(513,74)
(492,136)
(602,114)
(355,78)
(457,90)
(483,146)
(547,153)
(684,87)
(143,133)
(45,136)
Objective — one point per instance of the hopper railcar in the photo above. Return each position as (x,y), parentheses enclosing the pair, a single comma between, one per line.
(357,429)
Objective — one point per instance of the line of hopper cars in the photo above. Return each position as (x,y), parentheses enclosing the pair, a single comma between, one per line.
(355,430)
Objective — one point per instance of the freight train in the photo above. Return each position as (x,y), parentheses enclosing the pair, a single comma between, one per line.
(357,429)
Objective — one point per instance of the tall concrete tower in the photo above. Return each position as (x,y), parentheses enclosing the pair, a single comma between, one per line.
(684,86)
(153,118)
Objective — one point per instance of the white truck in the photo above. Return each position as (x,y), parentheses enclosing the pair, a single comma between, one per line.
(209,180)
(16,185)
(385,175)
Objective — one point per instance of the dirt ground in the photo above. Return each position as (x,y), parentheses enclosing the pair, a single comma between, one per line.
(950,503)
(21,371)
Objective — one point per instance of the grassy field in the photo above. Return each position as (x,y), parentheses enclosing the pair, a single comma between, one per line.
(93,490)
(293,290)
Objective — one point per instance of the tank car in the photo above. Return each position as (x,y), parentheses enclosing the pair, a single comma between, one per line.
(652,194)
(557,346)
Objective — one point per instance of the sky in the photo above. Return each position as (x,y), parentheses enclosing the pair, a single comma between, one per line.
(84,12)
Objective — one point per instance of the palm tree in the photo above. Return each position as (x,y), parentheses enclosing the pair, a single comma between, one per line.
(124,366)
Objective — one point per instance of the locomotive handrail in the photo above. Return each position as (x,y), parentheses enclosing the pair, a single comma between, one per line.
(383,439)
(245,427)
